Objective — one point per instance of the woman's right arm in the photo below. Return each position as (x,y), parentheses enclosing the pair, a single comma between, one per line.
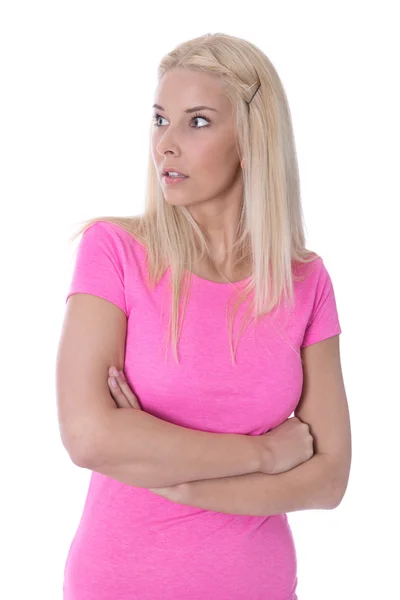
(129,445)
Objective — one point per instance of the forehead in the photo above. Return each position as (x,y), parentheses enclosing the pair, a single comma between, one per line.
(183,89)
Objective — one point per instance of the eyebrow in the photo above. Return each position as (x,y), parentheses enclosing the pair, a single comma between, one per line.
(189,110)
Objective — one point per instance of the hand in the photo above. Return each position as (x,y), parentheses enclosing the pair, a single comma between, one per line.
(121,392)
(176,493)
(288,445)
(125,398)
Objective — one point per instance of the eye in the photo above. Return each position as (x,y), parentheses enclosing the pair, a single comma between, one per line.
(200,116)
(156,117)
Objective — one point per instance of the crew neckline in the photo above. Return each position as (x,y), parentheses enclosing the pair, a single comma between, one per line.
(216,283)
(199,279)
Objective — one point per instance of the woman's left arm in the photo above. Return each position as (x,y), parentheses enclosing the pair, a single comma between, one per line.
(318,483)
(311,485)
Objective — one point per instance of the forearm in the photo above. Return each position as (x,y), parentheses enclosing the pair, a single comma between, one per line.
(311,485)
(141,450)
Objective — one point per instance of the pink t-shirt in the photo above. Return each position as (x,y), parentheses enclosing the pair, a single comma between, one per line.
(133,544)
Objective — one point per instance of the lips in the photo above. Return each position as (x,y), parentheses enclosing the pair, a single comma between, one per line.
(171,170)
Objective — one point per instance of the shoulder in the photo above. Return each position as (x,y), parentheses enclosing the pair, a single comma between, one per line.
(121,234)
(308,272)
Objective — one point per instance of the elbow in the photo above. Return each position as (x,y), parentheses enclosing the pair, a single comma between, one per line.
(334,502)
(82,459)
(338,497)
(337,493)
(82,452)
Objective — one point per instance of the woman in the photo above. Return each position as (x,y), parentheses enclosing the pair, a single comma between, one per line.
(195,461)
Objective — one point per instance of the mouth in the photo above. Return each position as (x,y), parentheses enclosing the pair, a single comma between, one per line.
(173,173)
(171,176)
(174,179)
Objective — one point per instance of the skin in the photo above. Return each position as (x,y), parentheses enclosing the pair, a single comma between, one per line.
(208,155)
(213,192)
(213,195)
(125,398)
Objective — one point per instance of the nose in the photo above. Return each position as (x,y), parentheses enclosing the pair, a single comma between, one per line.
(168,143)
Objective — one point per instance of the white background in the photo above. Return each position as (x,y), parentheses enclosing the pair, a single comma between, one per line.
(77,85)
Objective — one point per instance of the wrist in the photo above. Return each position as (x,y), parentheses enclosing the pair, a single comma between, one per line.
(266,457)
(183,492)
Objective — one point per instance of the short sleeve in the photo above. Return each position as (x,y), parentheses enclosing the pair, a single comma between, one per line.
(324,320)
(98,268)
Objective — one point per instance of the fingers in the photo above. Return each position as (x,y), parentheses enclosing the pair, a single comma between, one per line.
(122,391)
(118,396)
(130,396)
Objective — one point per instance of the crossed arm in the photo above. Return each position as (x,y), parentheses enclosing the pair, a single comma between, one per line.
(320,482)
(312,485)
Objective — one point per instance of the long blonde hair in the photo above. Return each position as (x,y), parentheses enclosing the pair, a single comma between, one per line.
(270,233)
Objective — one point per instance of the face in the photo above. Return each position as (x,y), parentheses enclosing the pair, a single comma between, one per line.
(199,143)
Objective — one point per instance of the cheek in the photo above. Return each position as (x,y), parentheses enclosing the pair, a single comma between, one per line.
(207,156)
(154,154)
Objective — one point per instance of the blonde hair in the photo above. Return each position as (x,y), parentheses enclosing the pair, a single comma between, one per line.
(270,232)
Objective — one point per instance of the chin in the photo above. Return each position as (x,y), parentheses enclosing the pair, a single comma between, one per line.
(176,201)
